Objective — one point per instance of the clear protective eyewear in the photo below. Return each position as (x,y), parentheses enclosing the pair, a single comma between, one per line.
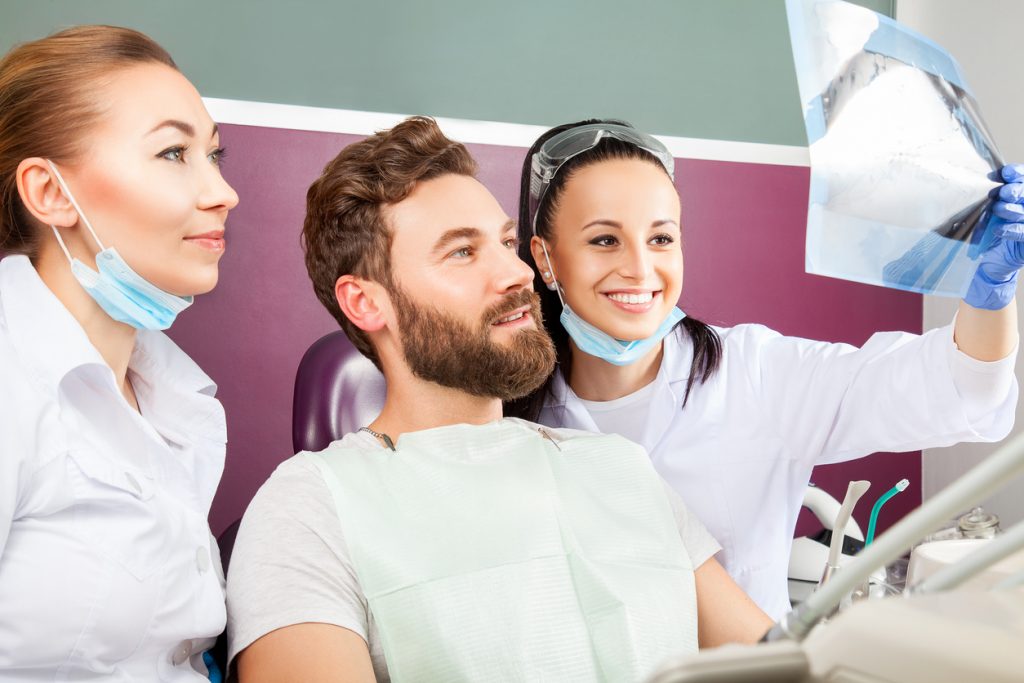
(561,148)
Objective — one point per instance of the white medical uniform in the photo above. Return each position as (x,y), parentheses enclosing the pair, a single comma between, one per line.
(740,453)
(108,570)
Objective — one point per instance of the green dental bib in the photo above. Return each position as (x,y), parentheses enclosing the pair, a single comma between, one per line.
(504,552)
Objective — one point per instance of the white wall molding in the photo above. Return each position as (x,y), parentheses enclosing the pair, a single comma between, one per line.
(296,117)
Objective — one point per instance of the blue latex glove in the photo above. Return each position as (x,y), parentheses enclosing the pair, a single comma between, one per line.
(995,281)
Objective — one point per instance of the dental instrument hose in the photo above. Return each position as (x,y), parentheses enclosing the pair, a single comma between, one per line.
(987,476)
(882,500)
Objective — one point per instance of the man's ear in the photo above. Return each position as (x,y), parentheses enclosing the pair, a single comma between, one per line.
(41,194)
(359,301)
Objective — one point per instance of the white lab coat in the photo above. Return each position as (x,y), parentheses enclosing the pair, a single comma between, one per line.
(108,570)
(740,453)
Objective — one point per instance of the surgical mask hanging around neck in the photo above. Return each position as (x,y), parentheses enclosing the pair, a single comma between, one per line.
(121,292)
(595,342)
(591,340)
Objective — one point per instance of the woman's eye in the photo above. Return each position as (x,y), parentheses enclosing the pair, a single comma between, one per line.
(217,156)
(173,153)
(603,241)
(662,240)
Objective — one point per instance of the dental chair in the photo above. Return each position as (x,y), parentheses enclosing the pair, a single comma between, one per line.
(337,391)
(940,630)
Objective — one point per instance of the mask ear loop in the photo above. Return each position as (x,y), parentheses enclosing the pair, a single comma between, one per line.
(81,214)
(60,241)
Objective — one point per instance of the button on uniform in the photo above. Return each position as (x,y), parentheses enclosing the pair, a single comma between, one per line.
(181,653)
(202,559)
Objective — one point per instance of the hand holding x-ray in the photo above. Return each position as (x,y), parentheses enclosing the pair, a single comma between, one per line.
(995,281)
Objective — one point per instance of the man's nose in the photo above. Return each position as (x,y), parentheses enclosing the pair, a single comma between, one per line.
(511,272)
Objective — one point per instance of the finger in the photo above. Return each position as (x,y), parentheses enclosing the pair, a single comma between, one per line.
(1012,172)
(1012,193)
(1009,212)
(1011,232)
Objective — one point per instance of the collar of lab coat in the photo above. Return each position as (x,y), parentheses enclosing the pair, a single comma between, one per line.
(567,410)
(176,392)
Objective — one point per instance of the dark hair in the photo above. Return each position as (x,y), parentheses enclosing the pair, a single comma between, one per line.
(48,103)
(707,346)
(345,231)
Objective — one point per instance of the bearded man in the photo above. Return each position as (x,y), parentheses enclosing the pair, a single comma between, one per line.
(442,542)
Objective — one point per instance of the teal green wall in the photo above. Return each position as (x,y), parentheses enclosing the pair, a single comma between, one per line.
(698,68)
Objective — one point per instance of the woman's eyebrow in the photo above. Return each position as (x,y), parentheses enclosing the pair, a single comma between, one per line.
(184,127)
(603,221)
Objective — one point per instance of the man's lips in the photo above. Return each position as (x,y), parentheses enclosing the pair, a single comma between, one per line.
(515,318)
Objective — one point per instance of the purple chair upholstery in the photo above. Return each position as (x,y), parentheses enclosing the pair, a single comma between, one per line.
(337,391)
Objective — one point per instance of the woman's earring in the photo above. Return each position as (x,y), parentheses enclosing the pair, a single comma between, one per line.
(552,285)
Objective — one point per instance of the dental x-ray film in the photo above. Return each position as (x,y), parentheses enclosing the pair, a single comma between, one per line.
(902,165)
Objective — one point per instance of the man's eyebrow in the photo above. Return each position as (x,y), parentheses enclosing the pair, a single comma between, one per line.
(184,127)
(454,235)
(510,226)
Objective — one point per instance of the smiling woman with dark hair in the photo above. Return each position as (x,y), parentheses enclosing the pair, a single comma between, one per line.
(112,211)
(734,418)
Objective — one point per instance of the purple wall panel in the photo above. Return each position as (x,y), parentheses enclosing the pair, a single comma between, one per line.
(743,231)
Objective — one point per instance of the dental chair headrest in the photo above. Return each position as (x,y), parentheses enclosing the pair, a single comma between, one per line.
(337,391)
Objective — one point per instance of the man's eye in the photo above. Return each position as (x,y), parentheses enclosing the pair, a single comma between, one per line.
(512,243)
(464,252)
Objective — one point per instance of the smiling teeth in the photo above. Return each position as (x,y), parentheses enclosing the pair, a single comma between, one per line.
(514,316)
(632,298)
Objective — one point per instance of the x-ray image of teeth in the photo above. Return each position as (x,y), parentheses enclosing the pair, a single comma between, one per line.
(902,165)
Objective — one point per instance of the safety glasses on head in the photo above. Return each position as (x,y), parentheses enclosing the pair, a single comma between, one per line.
(553,154)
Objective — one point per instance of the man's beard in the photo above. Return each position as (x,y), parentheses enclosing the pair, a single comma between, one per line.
(442,349)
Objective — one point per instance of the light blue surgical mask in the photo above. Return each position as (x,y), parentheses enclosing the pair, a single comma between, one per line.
(591,340)
(595,342)
(122,293)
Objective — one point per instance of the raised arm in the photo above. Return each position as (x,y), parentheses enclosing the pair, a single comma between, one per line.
(986,335)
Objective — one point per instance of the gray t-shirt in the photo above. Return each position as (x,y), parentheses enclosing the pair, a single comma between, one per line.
(290,564)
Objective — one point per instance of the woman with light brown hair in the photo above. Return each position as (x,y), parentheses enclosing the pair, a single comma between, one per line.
(112,211)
